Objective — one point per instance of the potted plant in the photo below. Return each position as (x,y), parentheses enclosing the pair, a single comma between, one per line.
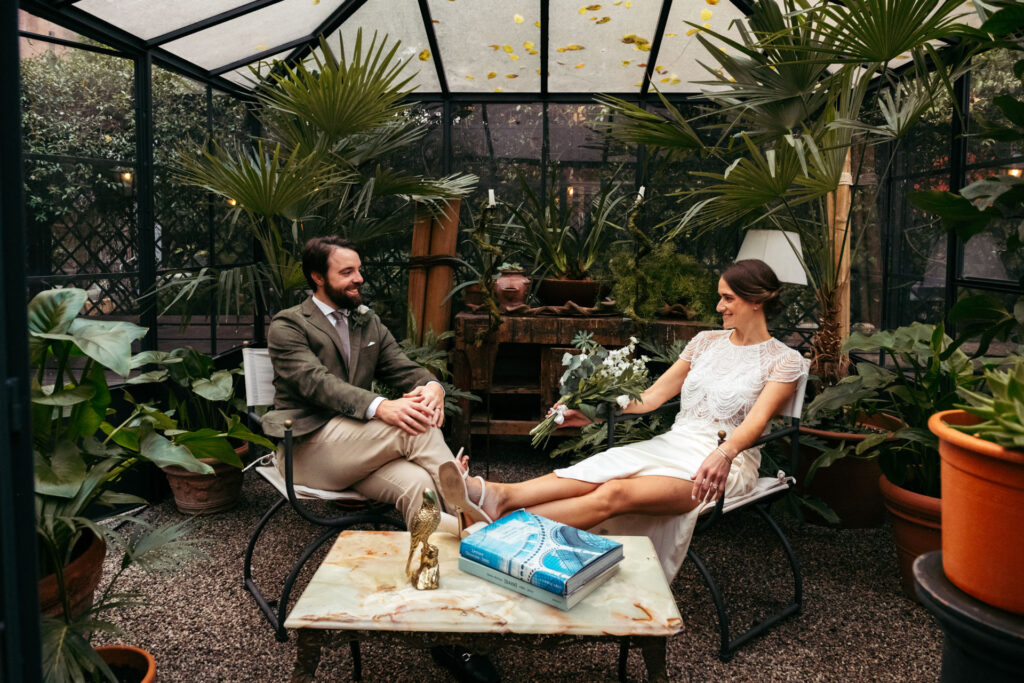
(566,247)
(923,371)
(209,423)
(982,449)
(67,652)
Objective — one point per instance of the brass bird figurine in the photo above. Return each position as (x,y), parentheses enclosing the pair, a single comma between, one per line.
(423,524)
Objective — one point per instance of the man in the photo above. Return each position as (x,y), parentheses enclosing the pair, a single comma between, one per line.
(326,352)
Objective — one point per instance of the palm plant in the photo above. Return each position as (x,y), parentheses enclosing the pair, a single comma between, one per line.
(805,84)
(329,124)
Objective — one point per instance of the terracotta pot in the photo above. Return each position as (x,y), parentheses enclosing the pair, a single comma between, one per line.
(206,494)
(81,576)
(983,504)
(510,288)
(560,291)
(916,527)
(849,486)
(129,664)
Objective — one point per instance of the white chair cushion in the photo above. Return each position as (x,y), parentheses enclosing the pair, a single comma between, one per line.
(271,474)
(766,486)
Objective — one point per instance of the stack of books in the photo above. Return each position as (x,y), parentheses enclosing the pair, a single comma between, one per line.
(540,558)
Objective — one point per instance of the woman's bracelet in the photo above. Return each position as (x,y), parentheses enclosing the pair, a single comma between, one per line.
(724,454)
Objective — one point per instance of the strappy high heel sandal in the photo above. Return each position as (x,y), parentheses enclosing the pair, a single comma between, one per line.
(455,493)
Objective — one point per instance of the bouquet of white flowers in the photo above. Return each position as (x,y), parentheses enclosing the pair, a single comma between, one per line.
(594,377)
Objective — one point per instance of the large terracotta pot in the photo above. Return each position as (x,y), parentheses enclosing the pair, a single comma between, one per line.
(849,486)
(560,291)
(81,576)
(129,664)
(510,288)
(983,506)
(916,527)
(206,494)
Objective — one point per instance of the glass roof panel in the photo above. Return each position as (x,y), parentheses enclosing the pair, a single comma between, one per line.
(243,76)
(253,33)
(601,47)
(147,19)
(400,20)
(677,66)
(487,46)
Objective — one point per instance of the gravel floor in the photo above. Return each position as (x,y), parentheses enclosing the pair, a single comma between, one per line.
(201,625)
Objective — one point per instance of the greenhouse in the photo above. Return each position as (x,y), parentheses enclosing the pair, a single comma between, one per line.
(527,340)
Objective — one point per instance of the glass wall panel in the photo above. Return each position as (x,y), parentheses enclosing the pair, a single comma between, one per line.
(489,47)
(992,75)
(148,19)
(600,48)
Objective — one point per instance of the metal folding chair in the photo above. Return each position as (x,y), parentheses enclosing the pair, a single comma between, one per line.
(259,391)
(767,490)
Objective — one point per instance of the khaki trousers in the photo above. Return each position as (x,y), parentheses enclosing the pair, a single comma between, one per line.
(378,460)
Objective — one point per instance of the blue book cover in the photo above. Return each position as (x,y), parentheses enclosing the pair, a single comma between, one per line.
(545,553)
(563,602)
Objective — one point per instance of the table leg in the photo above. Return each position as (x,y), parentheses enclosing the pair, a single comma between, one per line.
(308,646)
(653,650)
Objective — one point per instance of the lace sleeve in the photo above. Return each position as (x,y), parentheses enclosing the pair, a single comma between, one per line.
(788,366)
(694,347)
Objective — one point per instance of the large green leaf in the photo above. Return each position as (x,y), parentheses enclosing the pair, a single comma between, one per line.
(68,396)
(209,443)
(163,453)
(52,311)
(62,473)
(108,342)
(218,387)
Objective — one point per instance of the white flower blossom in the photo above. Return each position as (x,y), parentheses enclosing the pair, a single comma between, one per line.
(362,309)
(623,401)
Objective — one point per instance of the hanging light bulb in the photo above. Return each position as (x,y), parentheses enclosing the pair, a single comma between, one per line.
(232,202)
(126,176)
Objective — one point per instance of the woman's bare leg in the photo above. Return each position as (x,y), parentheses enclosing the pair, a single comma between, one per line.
(653,495)
(502,499)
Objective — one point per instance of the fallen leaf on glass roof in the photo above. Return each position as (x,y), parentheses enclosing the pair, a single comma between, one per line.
(592,19)
(513,57)
(574,46)
(706,25)
(537,24)
(425,55)
(583,10)
(580,65)
(262,47)
(492,74)
(561,49)
(528,45)
(604,20)
(469,78)
(711,2)
(628,4)
(671,35)
(593,8)
(665,80)
(705,14)
(316,2)
(673,81)
(497,90)
(626,62)
(638,84)
(508,48)
(533,52)
(495,47)
(691,31)
(511,75)
(518,18)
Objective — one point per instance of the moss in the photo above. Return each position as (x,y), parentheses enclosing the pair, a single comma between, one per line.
(643,287)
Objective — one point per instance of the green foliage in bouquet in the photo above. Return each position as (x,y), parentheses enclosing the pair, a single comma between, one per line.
(594,379)
(1002,412)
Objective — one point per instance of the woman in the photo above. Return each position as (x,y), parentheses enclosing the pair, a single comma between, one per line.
(733,379)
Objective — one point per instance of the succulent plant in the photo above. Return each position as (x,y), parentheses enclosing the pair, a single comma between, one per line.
(1003,411)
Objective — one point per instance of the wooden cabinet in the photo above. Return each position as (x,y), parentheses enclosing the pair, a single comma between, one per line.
(516,370)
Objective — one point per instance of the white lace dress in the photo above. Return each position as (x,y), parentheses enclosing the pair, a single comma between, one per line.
(723,383)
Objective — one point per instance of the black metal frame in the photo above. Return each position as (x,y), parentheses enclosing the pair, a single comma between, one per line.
(730,643)
(372,513)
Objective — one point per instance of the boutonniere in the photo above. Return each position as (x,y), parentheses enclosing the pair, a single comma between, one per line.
(360,316)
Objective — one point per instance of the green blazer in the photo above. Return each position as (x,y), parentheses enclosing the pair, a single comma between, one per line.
(311,381)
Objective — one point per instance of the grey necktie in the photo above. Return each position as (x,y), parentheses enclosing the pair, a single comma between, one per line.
(341,325)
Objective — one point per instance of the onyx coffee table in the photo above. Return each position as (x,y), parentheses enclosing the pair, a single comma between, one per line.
(360,592)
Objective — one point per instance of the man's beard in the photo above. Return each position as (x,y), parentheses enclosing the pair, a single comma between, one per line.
(340,299)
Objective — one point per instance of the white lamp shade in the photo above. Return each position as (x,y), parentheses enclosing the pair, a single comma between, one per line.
(779,250)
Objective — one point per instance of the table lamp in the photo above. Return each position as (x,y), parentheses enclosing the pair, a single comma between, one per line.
(779,250)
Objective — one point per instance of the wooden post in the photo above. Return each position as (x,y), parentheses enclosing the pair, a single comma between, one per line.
(839,214)
(419,249)
(444,239)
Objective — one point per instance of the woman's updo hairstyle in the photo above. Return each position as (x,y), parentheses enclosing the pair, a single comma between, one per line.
(754,281)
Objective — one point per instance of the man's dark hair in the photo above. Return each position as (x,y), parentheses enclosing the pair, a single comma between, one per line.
(316,252)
